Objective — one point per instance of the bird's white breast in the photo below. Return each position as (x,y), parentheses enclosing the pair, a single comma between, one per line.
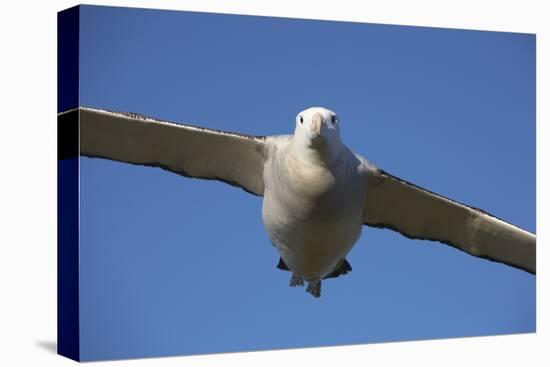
(312,213)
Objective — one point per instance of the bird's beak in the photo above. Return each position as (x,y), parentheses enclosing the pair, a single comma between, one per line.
(317,123)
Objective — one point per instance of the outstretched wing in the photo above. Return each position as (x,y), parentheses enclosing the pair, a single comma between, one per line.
(417,213)
(186,150)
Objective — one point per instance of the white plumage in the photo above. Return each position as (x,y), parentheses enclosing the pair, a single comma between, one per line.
(317,194)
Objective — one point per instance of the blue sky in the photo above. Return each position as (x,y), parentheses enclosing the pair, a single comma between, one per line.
(171,265)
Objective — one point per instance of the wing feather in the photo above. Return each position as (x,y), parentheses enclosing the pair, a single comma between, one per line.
(183,149)
(418,213)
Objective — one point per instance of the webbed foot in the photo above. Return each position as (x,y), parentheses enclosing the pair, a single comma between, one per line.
(296,281)
(314,288)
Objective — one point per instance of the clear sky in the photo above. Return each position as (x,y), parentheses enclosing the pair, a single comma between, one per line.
(171,265)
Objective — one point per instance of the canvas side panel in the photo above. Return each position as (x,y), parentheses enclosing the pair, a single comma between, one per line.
(68,330)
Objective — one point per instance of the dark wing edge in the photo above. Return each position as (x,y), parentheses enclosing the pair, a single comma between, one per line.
(186,150)
(417,213)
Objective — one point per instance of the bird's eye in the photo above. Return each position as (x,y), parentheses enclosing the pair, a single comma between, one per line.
(334,119)
(301,120)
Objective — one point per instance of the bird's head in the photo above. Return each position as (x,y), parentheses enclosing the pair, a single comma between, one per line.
(317,135)
(317,126)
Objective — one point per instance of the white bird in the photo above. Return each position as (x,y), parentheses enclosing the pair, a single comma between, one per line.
(317,193)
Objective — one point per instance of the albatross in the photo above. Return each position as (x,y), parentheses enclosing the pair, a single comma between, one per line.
(317,193)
